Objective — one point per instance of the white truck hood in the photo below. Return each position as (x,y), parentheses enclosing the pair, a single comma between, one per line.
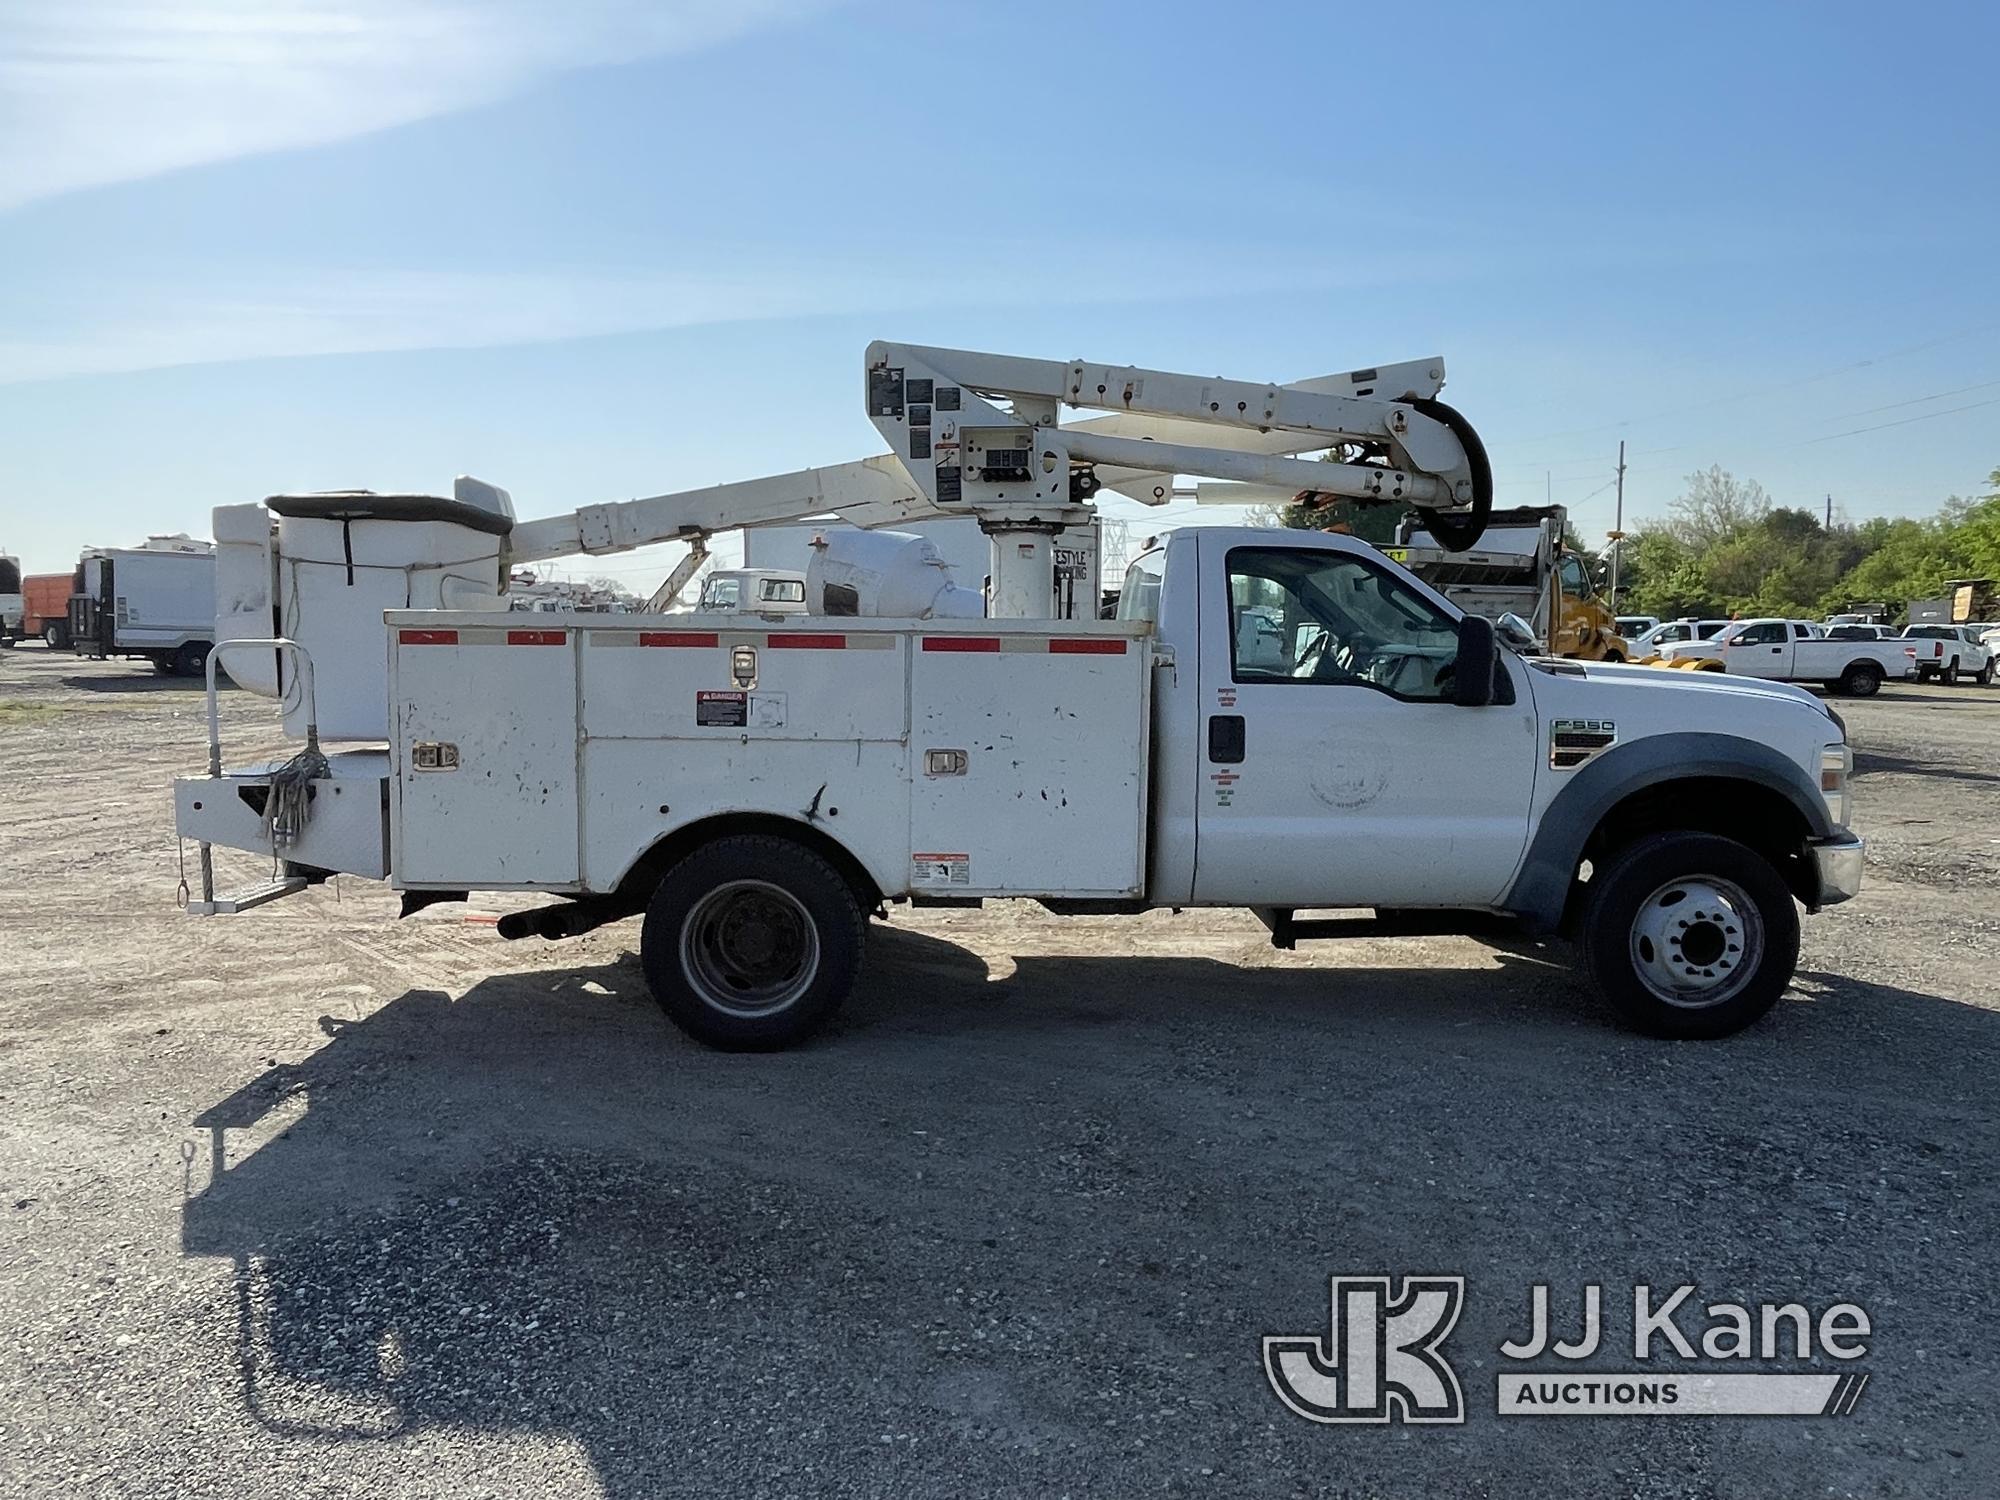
(1659,700)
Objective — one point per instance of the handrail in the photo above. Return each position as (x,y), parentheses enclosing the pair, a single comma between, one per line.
(272,643)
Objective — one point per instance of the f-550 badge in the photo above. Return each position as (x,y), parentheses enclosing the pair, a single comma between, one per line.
(1574,741)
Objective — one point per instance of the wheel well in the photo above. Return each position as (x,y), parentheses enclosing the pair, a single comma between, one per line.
(1750,814)
(646,872)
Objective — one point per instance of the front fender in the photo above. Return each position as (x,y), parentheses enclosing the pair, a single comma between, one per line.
(1541,889)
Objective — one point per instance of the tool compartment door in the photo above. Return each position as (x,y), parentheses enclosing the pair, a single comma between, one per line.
(501,699)
(1028,761)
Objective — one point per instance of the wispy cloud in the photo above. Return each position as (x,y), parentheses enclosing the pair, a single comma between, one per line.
(112,328)
(102,91)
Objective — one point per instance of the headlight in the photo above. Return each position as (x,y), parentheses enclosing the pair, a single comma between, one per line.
(1836,764)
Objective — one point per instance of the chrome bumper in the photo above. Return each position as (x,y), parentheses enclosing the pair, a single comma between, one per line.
(1838,861)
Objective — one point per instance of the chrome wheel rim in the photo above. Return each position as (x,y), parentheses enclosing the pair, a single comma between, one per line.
(1697,942)
(749,948)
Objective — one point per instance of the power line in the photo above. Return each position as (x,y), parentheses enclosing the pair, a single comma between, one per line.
(1867,411)
(1904,422)
(1782,385)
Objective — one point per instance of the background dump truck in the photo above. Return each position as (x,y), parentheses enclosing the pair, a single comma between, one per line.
(155,601)
(1520,566)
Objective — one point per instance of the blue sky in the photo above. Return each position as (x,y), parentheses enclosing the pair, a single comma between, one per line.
(614,248)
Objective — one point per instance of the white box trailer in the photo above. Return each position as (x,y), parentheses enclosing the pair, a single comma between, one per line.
(156,601)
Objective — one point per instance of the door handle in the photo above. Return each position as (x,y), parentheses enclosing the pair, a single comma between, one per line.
(1225,739)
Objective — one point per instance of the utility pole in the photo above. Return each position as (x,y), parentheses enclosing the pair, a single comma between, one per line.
(1618,528)
(1829,512)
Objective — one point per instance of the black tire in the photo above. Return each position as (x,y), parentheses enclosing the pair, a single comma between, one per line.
(758,921)
(1863,679)
(1949,676)
(54,635)
(191,660)
(166,666)
(1984,676)
(1615,657)
(1650,897)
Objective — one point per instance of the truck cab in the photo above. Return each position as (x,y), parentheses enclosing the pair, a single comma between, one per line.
(762,591)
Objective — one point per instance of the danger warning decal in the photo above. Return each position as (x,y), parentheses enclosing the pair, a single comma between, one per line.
(940,869)
(722,710)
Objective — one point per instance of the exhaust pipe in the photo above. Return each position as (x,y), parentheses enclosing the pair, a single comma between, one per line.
(565,919)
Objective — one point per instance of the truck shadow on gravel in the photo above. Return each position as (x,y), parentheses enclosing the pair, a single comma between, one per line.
(1868,762)
(140,681)
(1021,1235)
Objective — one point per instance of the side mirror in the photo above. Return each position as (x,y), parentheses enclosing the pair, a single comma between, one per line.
(1477,663)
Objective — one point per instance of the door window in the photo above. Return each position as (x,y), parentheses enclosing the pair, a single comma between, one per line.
(1770,634)
(1299,615)
(1574,581)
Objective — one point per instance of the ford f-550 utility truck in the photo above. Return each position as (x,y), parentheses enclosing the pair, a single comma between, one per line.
(1283,721)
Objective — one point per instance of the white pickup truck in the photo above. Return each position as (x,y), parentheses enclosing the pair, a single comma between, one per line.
(1948,652)
(1799,651)
(1285,721)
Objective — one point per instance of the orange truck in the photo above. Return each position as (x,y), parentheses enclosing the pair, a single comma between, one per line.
(45,611)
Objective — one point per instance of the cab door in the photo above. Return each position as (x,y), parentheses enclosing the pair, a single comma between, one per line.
(1761,650)
(1334,772)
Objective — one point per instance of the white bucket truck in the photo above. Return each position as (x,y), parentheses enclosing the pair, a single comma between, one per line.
(1283,720)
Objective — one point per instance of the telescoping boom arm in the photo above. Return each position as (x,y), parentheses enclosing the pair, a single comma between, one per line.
(982,435)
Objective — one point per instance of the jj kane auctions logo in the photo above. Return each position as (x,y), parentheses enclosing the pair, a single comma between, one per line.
(1382,1358)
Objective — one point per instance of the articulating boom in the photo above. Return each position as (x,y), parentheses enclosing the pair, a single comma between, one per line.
(981,435)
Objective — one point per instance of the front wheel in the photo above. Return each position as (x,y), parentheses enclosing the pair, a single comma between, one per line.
(1689,935)
(1984,677)
(751,943)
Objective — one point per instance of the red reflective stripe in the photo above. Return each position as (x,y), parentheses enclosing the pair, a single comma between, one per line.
(428,637)
(807,642)
(674,638)
(1085,646)
(961,643)
(537,637)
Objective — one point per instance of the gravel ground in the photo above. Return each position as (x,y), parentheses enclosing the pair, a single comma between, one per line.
(313,1202)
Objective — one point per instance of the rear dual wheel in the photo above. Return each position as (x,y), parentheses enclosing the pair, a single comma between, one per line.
(751,943)
(1689,935)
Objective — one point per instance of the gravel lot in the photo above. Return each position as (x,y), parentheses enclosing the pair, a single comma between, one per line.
(313,1202)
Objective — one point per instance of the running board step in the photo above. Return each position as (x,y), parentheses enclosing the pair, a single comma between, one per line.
(1287,930)
(249,896)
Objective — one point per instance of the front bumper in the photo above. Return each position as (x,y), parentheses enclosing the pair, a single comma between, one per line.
(1838,863)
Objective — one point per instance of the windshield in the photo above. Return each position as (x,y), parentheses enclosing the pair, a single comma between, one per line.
(722,593)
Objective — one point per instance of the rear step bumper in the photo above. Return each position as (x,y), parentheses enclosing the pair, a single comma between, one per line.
(249,896)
